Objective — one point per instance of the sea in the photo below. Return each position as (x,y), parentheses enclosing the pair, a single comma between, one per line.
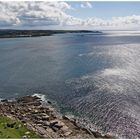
(93,76)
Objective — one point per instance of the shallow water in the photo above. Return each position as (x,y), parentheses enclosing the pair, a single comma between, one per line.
(96,77)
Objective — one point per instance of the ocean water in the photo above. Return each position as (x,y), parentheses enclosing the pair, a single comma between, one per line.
(95,77)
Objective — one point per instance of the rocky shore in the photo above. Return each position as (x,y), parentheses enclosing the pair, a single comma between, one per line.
(43,119)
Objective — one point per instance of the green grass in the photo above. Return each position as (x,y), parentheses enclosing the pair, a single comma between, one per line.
(18,130)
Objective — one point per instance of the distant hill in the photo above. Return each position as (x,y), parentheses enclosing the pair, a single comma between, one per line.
(10,33)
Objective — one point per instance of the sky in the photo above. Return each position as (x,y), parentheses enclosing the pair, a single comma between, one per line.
(91,15)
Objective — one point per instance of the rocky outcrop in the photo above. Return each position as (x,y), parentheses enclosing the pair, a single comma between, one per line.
(44,120)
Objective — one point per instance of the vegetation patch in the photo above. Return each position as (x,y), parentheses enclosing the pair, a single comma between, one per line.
(10,128)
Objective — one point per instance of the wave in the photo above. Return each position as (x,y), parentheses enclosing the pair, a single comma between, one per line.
(114,71)
(41,96)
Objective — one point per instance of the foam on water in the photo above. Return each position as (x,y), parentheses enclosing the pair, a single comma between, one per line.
(41,96)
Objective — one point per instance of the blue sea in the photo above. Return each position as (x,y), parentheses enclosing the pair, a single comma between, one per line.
(95,77)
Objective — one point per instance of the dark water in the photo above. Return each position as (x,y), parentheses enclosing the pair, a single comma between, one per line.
(97,77)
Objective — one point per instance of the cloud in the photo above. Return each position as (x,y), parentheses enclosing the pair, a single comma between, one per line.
(37,14)
(86,5)
(114,21)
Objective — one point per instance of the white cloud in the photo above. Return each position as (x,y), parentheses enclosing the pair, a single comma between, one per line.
(86,5)
(35,13)
(114,22)
(29,13)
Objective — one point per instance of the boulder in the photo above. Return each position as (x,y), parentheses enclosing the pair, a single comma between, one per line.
(41,130)
(44,118)
(49,102)
(27,99)
(67,133)
(46,123)
(65,128)
(65,117)
(56,125)
(4,100)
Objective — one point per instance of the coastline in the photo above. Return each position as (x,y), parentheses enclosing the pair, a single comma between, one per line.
(10,33)
(40,117)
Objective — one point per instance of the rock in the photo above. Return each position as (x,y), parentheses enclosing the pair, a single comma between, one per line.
(46,123)
(65,117)
(41,130)
(65,128)
(51,109)
(97,134)
(39,124)
(49,130)
(54,129)
(27,133)
(23,121)
(87,130)
(30,109)
(39,121)
(4,100)
(36,111)
(44,118)
(49,102)
(12,112)
(109,136)
(67,133)
(11,125)
(30,127)
(56,125)
(27,99)
(35,103)
(53,123)
(25,124)
(24,137)
(56,121)
(19,125)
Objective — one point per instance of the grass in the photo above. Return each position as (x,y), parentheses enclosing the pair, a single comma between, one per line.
(18,130)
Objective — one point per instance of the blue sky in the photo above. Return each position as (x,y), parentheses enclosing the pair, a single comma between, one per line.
(105,10)
(70,15)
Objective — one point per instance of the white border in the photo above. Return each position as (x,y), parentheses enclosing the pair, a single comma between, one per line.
(80,0)
(75,1)
(69,139)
